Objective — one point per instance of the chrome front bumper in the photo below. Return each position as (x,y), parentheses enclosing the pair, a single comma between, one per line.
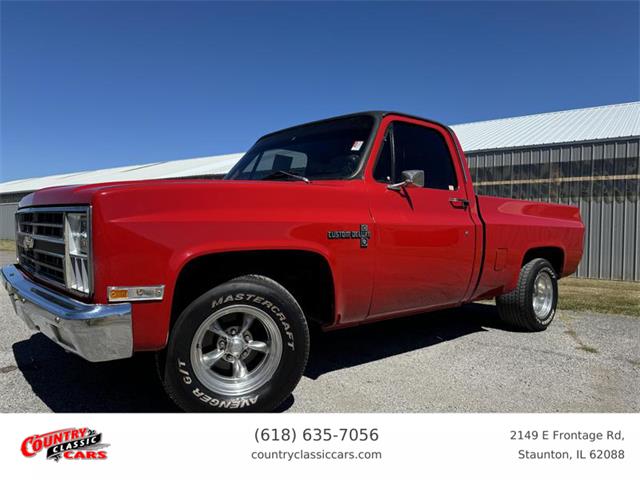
(95,332)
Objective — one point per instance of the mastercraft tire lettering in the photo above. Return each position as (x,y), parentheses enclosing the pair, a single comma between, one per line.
(242,346)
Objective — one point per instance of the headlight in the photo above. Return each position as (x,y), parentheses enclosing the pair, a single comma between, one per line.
(77,234)
(77,271)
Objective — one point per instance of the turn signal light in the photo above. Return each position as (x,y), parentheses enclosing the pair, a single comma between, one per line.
(133,294)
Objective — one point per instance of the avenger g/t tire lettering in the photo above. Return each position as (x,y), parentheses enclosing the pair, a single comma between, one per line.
(242,346)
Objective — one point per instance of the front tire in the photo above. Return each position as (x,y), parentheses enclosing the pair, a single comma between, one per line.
(532,305)
(242,346)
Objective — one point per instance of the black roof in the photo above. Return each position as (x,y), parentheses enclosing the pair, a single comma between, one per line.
(378,114)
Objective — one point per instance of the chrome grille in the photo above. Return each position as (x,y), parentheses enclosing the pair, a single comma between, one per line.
(41,249)
(46,224)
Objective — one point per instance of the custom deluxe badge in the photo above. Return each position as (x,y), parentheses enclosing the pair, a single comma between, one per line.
(363,234)
(70,443)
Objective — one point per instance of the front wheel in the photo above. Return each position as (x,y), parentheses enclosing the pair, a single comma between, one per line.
(532,305)
(242,346)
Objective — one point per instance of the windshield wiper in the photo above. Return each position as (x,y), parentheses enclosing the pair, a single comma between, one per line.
(284,173)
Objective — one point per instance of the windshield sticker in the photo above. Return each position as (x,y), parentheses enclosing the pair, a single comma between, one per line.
(357,145)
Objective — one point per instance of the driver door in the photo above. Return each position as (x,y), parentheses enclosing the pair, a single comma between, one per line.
(424,236)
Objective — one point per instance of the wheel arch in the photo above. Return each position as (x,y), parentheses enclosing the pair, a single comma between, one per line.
(306,274)
(553,254)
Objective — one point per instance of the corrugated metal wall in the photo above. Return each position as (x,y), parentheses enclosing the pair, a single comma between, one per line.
(7,221)
(602,178)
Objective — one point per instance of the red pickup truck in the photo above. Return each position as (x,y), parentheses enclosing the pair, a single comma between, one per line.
(349,220)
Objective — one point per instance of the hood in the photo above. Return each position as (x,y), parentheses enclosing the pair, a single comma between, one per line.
(85,194)
(88,194)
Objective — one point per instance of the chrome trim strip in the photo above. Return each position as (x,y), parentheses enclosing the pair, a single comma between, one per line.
(42,224)
(51,254)
(44,238)
(53,208)
(96,332)
(46,265)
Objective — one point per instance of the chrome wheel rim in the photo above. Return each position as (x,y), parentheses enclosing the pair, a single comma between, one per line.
(542,295)
(236,350)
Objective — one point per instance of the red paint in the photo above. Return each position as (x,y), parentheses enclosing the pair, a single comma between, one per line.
(418,259)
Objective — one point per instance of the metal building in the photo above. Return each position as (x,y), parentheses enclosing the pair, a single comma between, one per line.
(586,157)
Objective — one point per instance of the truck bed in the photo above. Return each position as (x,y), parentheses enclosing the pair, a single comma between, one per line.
(512,228)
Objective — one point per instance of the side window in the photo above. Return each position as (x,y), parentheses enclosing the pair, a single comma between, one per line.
(382,172)
(421,148)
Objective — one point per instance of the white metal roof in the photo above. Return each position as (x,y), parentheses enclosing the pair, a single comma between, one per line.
(192,167)
(596,123)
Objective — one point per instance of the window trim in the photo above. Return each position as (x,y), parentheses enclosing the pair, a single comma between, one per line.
(387,133)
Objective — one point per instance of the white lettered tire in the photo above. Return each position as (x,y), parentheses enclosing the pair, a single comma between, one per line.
(531,306)
(242,346)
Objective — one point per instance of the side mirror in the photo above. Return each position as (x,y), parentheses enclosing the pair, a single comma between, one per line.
(410,178)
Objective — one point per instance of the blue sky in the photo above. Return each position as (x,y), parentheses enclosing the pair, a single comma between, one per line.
(90,85)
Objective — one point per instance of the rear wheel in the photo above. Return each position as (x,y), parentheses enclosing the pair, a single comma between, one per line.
(242,346)
(532,305)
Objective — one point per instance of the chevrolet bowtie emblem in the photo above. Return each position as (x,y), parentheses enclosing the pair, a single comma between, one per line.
(363,234)
(27,242)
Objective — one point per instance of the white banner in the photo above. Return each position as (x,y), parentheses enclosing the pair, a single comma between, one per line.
(287,446)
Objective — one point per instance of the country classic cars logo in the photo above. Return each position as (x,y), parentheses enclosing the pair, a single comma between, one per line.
(70,443)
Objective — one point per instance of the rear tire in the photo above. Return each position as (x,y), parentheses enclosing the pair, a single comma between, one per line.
(532,305)
(242,346)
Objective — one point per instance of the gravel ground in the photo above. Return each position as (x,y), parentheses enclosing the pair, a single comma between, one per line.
(458,360)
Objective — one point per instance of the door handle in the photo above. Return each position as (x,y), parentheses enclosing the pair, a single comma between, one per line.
(459,202)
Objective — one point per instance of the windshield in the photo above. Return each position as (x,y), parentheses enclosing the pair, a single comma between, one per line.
(324,150)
